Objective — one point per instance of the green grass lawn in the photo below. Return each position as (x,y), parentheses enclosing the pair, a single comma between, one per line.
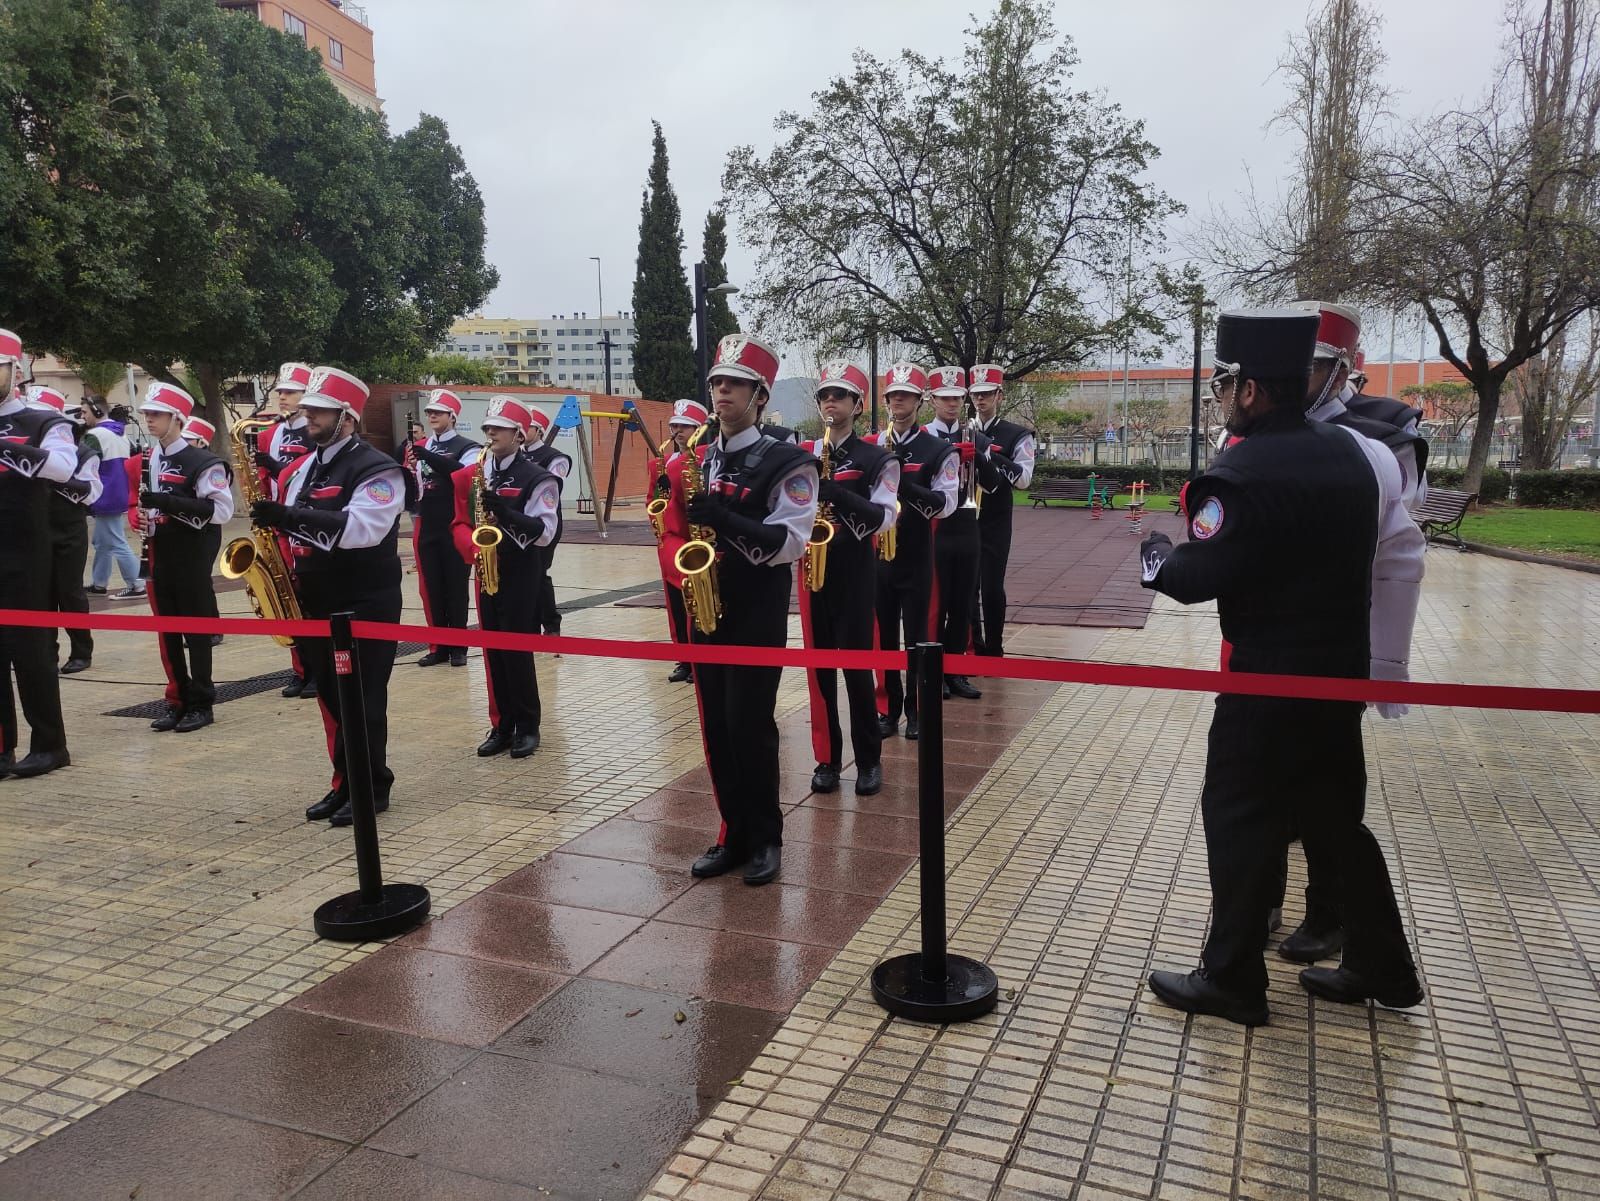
(1574,533)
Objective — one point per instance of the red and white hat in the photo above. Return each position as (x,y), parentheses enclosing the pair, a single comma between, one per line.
(508,412)
(1359,367)
(905,376)
(292,377)
(442,400)
(1339,333)
(330,388)
(43,397)
(948,381)
(10,347)
(744,357)
(985,377)
(842,373)
(199,431)
(687,412)
(161,397)
(541,420)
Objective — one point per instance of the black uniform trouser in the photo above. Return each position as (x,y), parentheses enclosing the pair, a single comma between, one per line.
(513,609)
(549,615)
(69,556)
(955,560)
(842,619)
(319,599)
(994,552)
(677,615)
(905,591)
(25,650)
(737,704)
(181,586)
(1273,763)
(1321,913)
(444,578)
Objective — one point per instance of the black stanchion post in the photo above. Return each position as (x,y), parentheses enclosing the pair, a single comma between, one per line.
(932,985)
(376,909)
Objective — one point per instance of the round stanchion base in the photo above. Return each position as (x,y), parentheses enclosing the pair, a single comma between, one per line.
(348,919)
(969,989)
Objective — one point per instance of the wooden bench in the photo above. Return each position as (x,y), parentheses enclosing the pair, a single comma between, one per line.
(1062,488)
(1441,512)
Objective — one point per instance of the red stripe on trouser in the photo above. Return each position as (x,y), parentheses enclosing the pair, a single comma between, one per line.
(330,728)
(705,749)
(422,580)
(818,711)
(173,697)
(880,677)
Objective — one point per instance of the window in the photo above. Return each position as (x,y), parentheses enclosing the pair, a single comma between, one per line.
(589,376)
(589,362)
(588,333)
(294,26)
(561,346)
(561,375)
(336,51)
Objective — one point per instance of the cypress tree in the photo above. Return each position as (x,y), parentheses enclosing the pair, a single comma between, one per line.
(720,320)
(663,308)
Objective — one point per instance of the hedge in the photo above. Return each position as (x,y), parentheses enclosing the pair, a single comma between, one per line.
(1578,488)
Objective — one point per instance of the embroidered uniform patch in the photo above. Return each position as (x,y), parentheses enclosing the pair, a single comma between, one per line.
(798,489)
(1207,520)
(380,492)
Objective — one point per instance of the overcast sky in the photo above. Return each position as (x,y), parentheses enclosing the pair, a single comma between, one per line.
(552,103)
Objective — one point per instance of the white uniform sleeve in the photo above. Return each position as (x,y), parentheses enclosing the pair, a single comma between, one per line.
(793,505)
(374,508)
(89,473)
(213,486)
(560,466)
(471,457)
(544,503)
(886,495)
(948,484)
(1414,489)
(1026,450)
(62,454)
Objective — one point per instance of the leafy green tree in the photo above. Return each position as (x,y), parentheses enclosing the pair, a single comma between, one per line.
(436,370)
(975,211)
(663,356)
(720,320)
(98,376)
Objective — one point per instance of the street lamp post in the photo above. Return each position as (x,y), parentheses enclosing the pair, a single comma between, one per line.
(1201,304)
(702,352)
(605,334)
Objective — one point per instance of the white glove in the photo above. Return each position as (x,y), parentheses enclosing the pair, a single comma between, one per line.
(1387,669)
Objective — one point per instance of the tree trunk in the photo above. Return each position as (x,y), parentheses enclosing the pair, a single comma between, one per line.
(1488,390)
(216,412)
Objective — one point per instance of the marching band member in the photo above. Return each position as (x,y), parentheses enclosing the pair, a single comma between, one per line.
(341,513)
(69,532)
(687,416)
(443,575)
(955,543)
(1011,455)
(928,493)
(544,455)
(185,498)
(36,452)
(279,447)
(758,497)
(857,491)
(522,500)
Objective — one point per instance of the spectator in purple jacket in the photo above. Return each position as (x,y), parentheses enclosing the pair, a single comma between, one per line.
(106,428)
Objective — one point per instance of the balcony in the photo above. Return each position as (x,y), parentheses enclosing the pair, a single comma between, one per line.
(355,12)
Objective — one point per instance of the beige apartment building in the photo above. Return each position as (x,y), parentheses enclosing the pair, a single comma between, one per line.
(336,30)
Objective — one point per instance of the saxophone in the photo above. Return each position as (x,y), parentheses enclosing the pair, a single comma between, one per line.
(656,510)
(258,559)
(485,534)
(888,541)
(815,570)
(696,560)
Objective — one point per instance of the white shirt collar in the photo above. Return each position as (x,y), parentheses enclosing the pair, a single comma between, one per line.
(14,404)
(296,422)
(938,427)
(325,454)
(742,439)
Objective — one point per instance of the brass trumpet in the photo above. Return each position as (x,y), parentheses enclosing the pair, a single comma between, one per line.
(815,571)
(486,536)
(257,559)
(696,560)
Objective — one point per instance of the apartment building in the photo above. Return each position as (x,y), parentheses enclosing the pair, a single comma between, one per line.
(336,30)
(562,351)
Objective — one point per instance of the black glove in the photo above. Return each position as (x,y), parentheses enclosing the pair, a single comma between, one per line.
(924,500)
(862,512)
(269,514)
(706,509)
(267,463)
(830,491)
(494,505)
(439,462)
(75,490)
(199,508)
(515,519)
(1153,552)
(751,531)
(23,452)
(154,500)
(322,526)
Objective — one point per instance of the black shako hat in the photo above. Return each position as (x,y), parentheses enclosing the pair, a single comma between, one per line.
(1266,343)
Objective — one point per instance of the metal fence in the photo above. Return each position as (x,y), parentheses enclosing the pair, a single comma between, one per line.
(1170,453)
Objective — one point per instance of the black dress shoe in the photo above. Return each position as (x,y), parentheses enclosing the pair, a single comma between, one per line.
(869,781)
(765,865)
(962,687)
(1351,988)
(345,814)
(433,659)
(216,640)
(944,691)
(498,740)
(1275,919)
(458,659)
(293,688)
(717,861)
(887,726)
(40,762)
(523,745)
(73,666)
(7,762)
(1197,992)
(167,720)
(911,727)
(194,719)
(326,807)
(308,690)
(1308,943)
(681,674)
(825,778)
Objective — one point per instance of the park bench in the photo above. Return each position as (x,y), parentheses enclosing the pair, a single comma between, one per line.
(1441,512)
(1061,488)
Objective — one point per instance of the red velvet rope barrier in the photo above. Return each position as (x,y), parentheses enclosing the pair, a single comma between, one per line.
(1121,675)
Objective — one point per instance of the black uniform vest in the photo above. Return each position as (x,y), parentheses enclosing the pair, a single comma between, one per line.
(1300,601)
(1392,417)
(542,456)
(857,465)
(516,482)
(25,502)
(745,479)
(292,443)
(922,456)
(346,571)
(1006,436)
(180,474)
(437,503)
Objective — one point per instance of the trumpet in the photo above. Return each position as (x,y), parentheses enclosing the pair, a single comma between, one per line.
(656,510)
(486,536)
(970,488)
(815,570)
(696,560)
(257,559)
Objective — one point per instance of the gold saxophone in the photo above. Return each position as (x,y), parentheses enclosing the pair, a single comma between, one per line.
(486,534)
(815,570)
(696,560)
(656,510)
(888,541)
(258,559)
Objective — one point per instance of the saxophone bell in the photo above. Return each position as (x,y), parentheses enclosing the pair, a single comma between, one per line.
(256,559)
